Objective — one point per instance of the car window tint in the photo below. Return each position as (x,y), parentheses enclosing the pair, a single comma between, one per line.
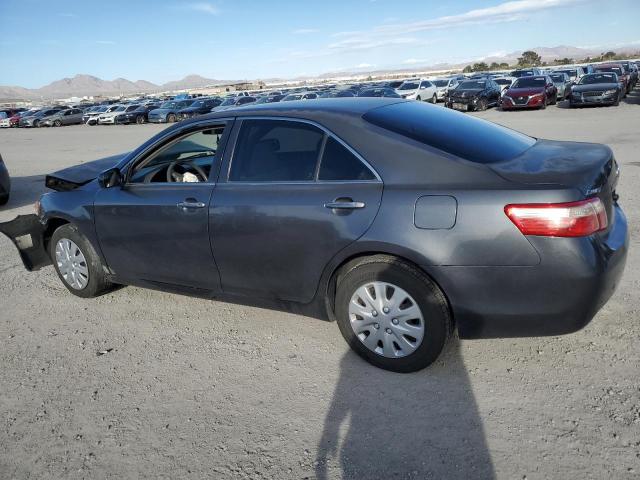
(193,154)
(276,150)
(441,128)
(338,163)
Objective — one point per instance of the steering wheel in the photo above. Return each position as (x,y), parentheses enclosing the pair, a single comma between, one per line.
(199,171)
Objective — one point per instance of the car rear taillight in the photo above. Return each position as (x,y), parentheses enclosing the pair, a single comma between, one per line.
(573,219)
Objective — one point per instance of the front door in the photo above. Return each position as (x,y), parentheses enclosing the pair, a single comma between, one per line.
(155,228)
(290,199)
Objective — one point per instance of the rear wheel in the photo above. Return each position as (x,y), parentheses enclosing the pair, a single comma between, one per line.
(419,98)
(555,99)
(434,99)
(482,105)
(139,119)
(77,264)
(391,313)
(57,123)
(171,118)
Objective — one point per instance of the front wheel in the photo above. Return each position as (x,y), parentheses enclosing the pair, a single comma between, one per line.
(77,264)
(57,123)
(391,313)
(434,99)
(171,118)
(482,105)
(544,103)
(139,119)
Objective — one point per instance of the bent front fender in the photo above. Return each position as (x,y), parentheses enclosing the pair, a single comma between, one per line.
(27,234)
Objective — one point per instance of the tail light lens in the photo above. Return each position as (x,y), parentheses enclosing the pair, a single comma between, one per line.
(574,219)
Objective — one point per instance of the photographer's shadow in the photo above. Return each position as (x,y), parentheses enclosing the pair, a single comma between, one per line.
(421,425)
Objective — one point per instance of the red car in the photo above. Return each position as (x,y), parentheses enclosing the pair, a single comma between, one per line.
(618,69)
(530,92)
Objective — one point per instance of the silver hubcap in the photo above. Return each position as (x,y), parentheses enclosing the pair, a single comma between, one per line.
(386,319)
(71,264)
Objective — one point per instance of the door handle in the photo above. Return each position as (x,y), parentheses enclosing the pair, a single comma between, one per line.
(345,205)
(191,204)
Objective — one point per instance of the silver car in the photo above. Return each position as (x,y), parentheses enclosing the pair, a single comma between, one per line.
(563,83)
(70,116)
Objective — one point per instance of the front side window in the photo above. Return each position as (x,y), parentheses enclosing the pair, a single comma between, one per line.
(184,160)
(276,151)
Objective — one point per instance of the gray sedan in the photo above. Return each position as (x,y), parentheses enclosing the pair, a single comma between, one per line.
(70,116)
(563,83)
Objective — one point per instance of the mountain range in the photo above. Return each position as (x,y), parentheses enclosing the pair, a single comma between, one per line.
(82,85)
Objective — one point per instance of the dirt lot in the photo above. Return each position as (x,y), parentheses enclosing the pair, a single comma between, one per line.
(200,389)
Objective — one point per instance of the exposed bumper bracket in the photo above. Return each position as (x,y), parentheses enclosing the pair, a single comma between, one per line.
(26,232)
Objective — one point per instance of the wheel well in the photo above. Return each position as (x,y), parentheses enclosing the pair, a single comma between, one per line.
(330,292)
(52,225)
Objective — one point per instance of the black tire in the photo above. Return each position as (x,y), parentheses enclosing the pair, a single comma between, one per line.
(555,100)
(419,99)
(98,282)
(140,119)
(57,123)
(427,294)
(4,198)
(36,123)
(171,118)
(482,105)
(434,99)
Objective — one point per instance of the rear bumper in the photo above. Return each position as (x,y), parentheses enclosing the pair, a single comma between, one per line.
(26,233)
(560,295)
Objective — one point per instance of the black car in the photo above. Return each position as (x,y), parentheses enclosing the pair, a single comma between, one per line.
(168,111)
(480,228)
(199,107)
(526,72)
(474,95)
(5,183)
(138,115)
(596,89)
(270,99)
(378,92)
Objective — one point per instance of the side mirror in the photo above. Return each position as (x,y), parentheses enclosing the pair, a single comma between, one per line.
(110,178)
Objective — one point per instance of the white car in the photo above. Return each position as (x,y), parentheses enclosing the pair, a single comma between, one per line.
(443,85)
(107,118)
(504,82)
(418,89)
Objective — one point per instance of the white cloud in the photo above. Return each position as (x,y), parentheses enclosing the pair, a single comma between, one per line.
(304,31)
(204,7)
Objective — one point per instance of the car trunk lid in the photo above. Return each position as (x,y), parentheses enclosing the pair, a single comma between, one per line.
(588,167)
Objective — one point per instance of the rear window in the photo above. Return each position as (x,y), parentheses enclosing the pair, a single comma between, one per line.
(455,133)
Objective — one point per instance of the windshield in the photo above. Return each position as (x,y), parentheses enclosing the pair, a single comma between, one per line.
(408,86)
(473,85)
(168,105)
(557,77)
(502,81)
(441,83)
(288,98)
(571,73)
(522,73)
(130,108)
(102,109)
(616,70)
(197,103)
(121,108)
(529,82)
(229,101)
(598,78)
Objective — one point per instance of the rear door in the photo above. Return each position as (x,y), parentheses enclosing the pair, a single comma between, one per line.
(290,197)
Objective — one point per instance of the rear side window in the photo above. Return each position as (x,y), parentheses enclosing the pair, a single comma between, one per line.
(338,163)
(458,134)
(276,151)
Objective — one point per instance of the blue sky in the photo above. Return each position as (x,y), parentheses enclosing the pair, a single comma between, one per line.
(162,40)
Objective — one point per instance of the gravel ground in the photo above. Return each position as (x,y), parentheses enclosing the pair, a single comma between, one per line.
(191,388)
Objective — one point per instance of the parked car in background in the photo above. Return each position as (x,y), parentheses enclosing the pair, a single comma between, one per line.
(474,95)
(530,92)
(168,111)
(14,120)
(525,72)
(234,102)
(574,73)
(71,116)
(602,88)
(379,92)
(139,114)
(620,71)
(7,113)
(418,89)
(90,117)
(34,119)
(300,96)
(270,99)
(5,183)
(199,107)
(632,69)
(563,84)
(504,82)
(109,118)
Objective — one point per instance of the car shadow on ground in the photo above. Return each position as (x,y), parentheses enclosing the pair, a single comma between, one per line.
(25,191)
(389,425)
(633,97)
